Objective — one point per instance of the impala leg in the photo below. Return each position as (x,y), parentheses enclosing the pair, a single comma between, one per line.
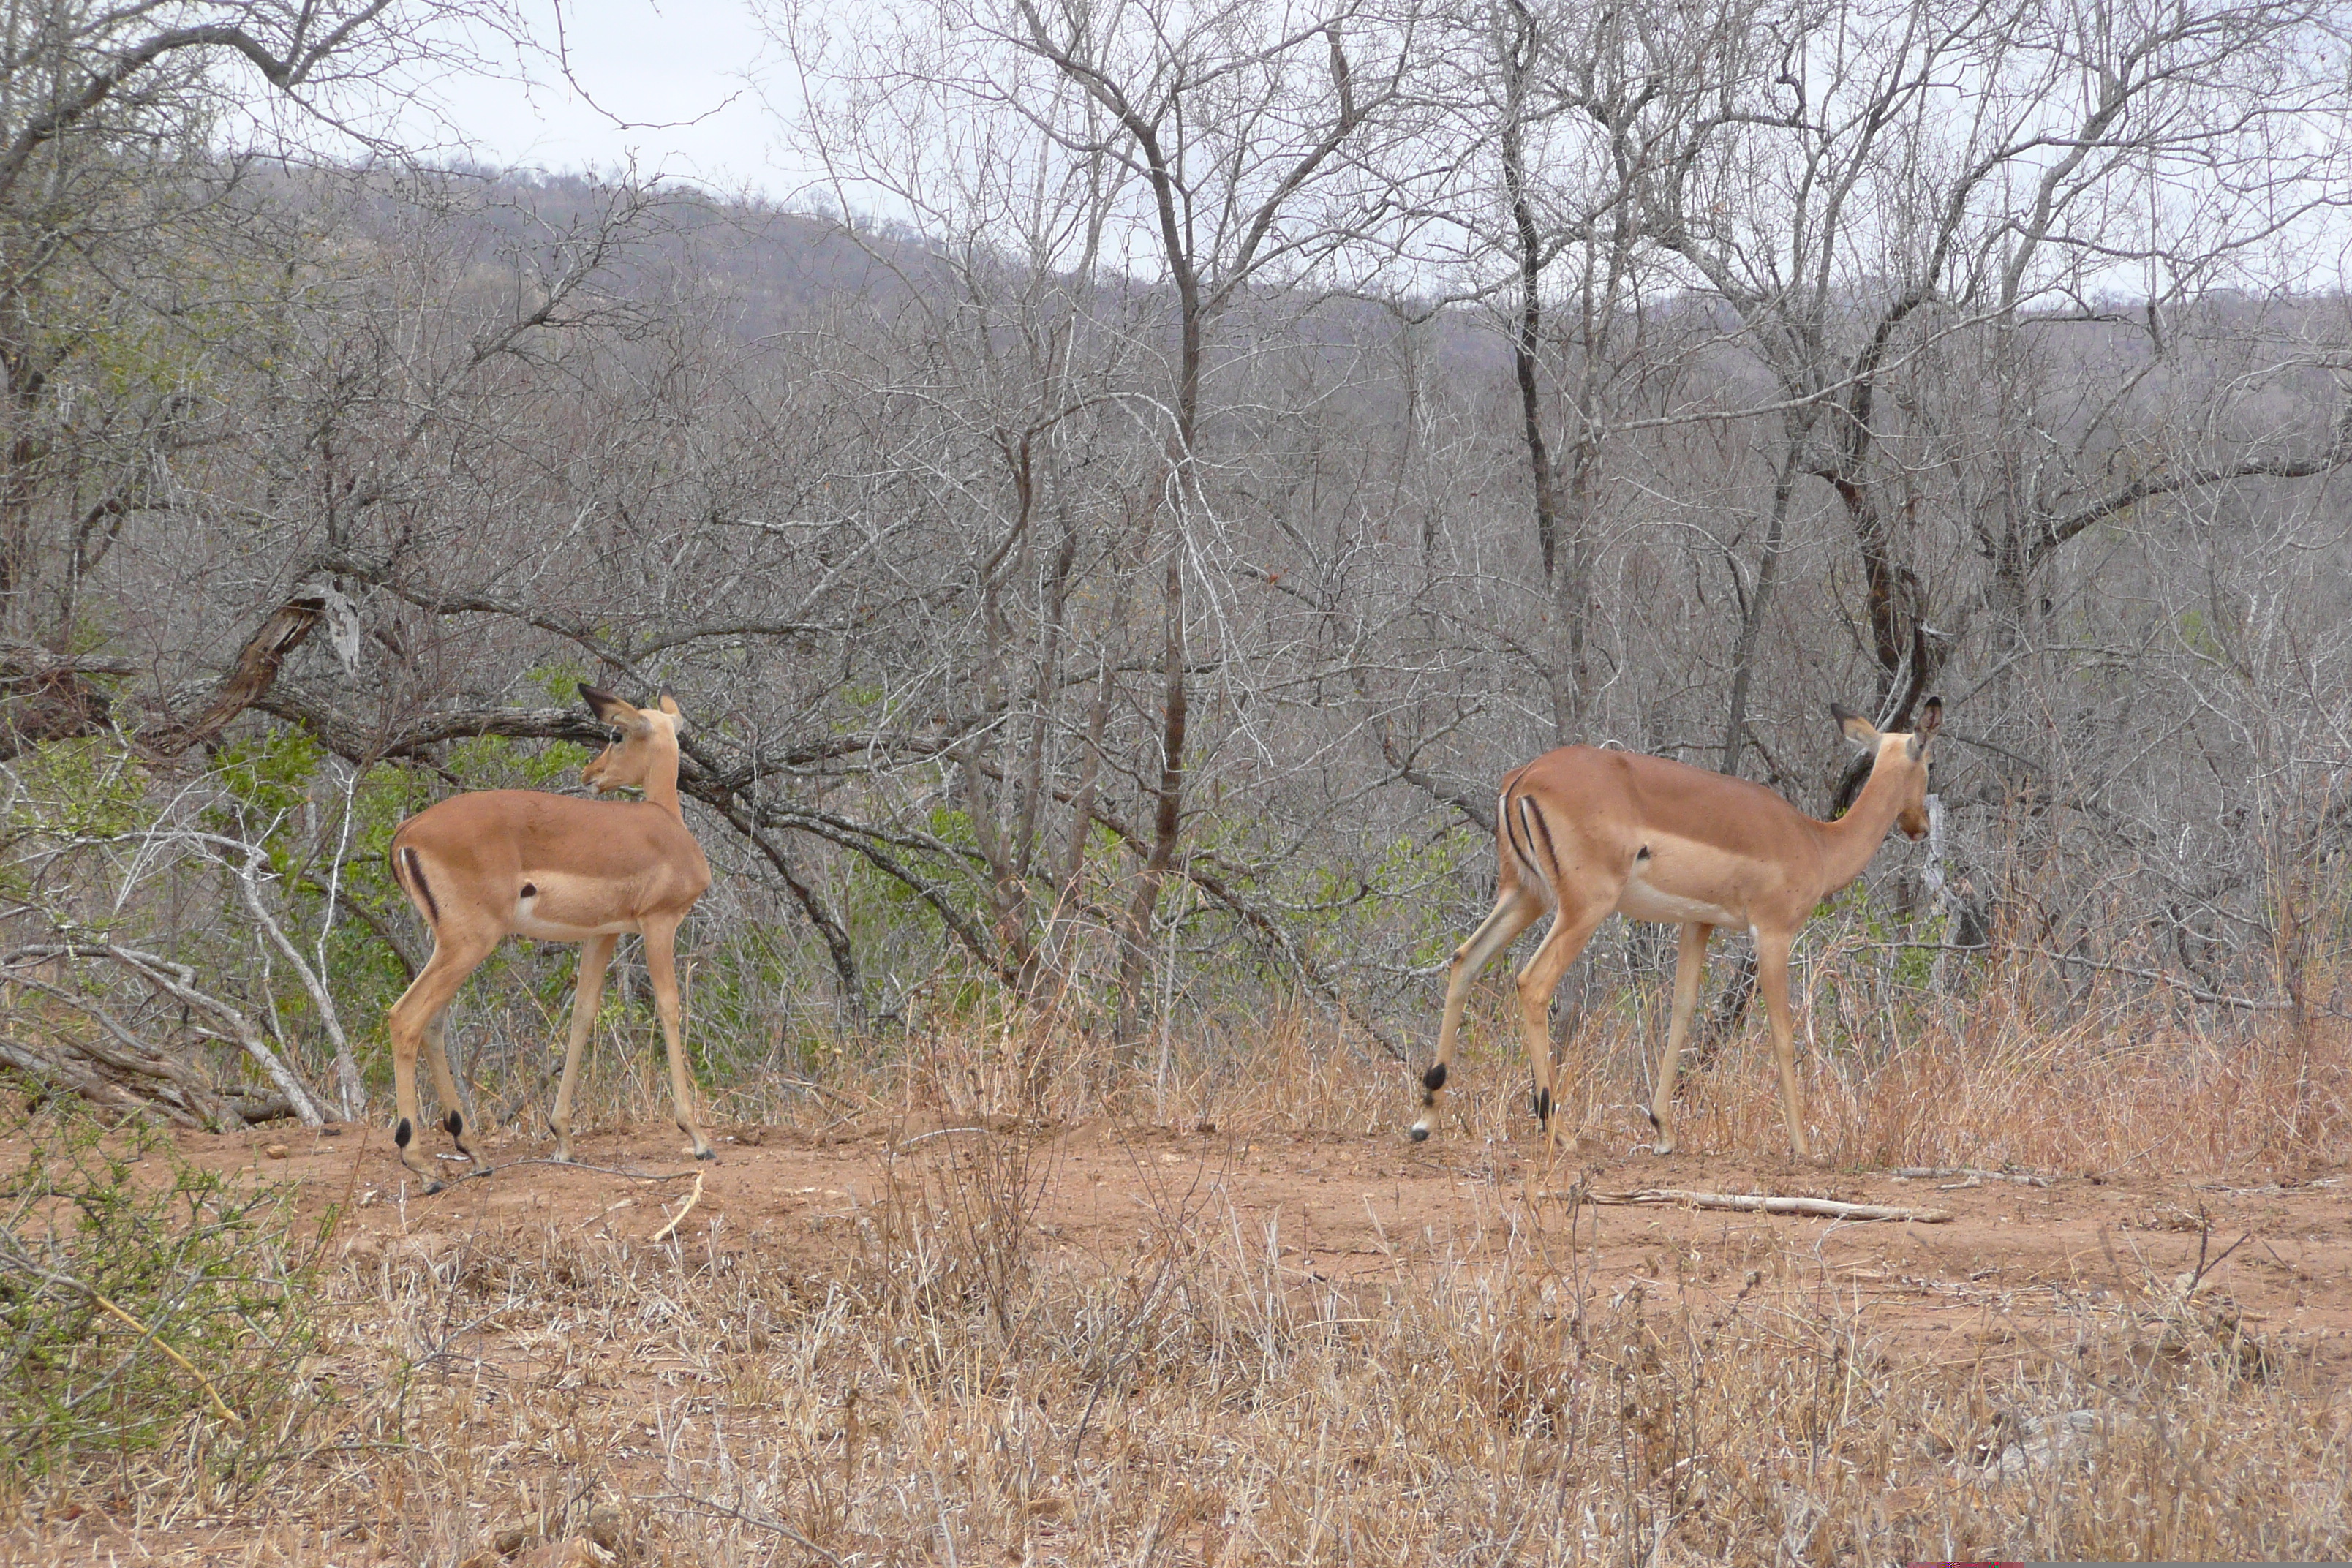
(415,1016)
(1512,913)
(1772,979)
(1690,969)
(661,967)
(587,993)
(445,1084)
(1570,929)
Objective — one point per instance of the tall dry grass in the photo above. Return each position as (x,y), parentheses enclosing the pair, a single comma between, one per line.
(2120,1086)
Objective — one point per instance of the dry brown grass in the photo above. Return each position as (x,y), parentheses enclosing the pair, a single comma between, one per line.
(940,1381)
(2113,1090)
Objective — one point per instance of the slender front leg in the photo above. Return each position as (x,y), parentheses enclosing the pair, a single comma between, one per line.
(1570,929)
(587,993)
(1772,979)
(1690,969)
(661,968)
(1513,913)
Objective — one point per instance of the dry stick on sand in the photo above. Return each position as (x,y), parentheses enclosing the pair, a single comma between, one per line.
(692,1198)
(1760,1202)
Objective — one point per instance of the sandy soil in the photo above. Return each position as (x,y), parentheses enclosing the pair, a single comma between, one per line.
(2015,1258)
(2024,1268)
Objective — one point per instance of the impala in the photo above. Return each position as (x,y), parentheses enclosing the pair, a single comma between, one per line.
(497,863)
(1589,833)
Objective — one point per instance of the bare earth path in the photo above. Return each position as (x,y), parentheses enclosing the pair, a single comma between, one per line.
(2015,1255)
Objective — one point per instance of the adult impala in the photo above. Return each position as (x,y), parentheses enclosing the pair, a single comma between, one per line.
(497,863)
(1590,832)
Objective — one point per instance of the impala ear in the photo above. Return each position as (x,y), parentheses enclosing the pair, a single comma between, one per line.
(669,706)
(1856,728)
(620,715)
(1931,719)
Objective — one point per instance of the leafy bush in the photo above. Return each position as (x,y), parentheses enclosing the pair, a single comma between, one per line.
(139,1294)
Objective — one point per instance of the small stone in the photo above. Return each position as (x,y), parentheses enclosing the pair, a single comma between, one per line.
(426,1247)
(277,1151)
(608,1530)
(2073,1438)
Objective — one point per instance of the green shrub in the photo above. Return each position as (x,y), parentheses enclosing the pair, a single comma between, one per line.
(139,1294)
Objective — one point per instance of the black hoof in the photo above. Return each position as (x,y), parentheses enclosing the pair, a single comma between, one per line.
(711,1154)
(432,1187)
(1419,1135)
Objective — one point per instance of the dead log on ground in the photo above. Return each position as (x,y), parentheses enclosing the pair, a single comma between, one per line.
(1761,1203)
(113,1067)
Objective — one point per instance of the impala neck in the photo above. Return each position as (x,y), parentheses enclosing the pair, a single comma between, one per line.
(661,777)
(1848,843)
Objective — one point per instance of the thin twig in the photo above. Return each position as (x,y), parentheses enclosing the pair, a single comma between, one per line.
(692,1198)
(684,1501)
(449,1182)
(935,1133)
(231,1416)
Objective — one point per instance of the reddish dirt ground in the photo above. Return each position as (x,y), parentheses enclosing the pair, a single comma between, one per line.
(2016,1259)
(2020,1270)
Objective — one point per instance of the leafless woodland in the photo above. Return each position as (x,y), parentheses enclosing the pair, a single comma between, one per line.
(1111,530)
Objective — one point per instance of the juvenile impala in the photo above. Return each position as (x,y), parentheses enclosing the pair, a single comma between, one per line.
(1589,833)
(497,863)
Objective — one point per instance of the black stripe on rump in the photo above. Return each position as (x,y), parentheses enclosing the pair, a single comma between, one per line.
(1525,852)
(424,888)
(1536,817)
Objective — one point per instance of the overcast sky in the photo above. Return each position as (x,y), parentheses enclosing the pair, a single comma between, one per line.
(670,82)
(691,89)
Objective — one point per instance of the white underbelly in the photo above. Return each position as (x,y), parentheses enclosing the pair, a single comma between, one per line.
(526,924)
(1642,902)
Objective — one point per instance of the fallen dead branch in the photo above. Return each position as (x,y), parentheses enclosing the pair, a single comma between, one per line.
(177,982)
(1762,1203)
(1969,1173)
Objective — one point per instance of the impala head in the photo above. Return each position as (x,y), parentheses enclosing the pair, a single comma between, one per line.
(645,734)
(1903,758)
